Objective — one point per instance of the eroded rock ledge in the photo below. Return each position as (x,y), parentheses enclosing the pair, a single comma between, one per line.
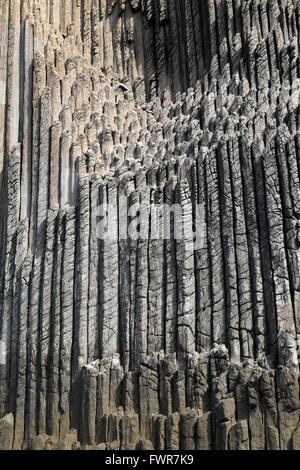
(202,401)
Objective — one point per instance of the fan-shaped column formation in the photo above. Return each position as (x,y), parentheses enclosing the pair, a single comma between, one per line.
(128,331)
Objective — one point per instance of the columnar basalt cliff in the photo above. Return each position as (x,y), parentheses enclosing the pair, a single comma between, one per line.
(146,342)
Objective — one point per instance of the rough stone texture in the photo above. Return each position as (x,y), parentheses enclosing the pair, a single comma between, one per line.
(144,343)
(6,432)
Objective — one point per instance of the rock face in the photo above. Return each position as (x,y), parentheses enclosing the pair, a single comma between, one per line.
(127,332)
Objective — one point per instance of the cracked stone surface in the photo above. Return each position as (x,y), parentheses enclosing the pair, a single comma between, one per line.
(149,343)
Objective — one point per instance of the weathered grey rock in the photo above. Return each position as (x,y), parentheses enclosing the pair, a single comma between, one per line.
(204,439)
(144,445)
(67,440)
(39,442)
(6,432)
(149,327)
